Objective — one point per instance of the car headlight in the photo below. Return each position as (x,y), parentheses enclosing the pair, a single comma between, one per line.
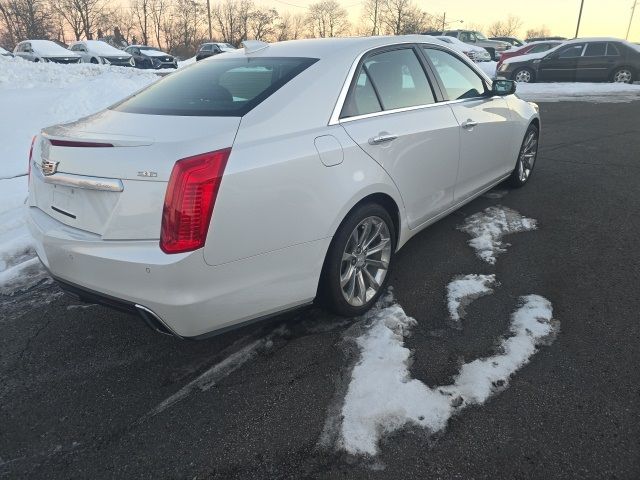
(106,61)
(503,67)
(537,60)
(132,62)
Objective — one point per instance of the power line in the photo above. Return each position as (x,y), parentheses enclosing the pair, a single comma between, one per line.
(633,10)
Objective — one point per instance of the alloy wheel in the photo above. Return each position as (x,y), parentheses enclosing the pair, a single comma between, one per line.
(365,261)
(528,155)
(523,76)
(623,76)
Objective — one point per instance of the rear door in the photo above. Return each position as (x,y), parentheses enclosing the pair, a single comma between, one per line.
(593,66)
(485,123)
(392,114)
(561,66)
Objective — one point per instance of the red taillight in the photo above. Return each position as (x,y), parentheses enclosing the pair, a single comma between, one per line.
(33,141)
(188,204)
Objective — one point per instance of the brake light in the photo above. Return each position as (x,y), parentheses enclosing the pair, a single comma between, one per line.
(188,204)
(33,141)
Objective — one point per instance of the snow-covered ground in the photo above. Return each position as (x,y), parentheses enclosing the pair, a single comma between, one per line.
(34,96)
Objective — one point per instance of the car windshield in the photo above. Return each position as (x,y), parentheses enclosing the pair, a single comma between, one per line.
(225,87)
(480,36)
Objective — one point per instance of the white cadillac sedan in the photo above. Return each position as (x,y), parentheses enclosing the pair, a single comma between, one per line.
(268,178)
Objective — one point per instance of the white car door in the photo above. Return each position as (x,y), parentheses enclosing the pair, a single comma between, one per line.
(485,120)
(392,114)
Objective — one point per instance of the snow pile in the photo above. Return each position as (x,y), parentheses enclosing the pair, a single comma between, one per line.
(464,290)
(489,226)
(34,96)
(579,92)
(383,398)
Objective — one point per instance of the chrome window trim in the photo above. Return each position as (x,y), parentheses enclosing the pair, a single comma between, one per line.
(335,115)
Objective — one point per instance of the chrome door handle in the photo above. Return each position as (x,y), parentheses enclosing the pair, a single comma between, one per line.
(382,139)
(469,124)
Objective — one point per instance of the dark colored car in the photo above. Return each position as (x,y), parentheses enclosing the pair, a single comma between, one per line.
(150,57)
(535,47)
(212,48)
(582,60)
(542,39)
(516,42)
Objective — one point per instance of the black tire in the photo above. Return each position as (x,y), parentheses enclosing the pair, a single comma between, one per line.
(330,290)
(525,75)
(628,73)
(517,179)
(94,60)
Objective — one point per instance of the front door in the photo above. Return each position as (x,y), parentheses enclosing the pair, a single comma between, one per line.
(562,65)
(485,124)
(392,114)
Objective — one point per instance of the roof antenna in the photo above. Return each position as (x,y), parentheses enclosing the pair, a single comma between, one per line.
(252,46)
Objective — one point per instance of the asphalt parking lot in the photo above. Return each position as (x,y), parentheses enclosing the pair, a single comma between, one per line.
(80,386)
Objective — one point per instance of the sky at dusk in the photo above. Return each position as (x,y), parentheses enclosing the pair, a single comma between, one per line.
(599,17)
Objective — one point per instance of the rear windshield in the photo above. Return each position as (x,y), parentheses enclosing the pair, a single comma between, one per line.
(221,87)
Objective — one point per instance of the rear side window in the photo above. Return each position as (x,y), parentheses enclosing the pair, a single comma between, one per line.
(388,81)
(459,80)
(612,50)
(541,48)
(223,87)
(595,49)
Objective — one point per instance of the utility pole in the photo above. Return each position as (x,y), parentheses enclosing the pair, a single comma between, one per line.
(209,18)
(579,18)
(444,21)
(633,10)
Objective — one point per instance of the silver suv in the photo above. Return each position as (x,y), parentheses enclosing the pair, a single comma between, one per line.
(494,47)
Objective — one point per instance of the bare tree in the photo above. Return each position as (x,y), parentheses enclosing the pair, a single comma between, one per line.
(508,28)
(159,10)
(403,17)
(232,19)
(328,19)
(84,17)
(24,19)
(262,23)
(372,13)
(290,27)
(142,11)
(542,31)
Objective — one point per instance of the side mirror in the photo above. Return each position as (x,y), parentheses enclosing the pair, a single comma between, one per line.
(503,88)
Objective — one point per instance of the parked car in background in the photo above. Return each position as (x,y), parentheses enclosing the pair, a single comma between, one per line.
(212,186)
(477,54)
(210,49)
(494,47)
(45,51)
(150,57)
(99,52)
(511,40)
(542,39)
(5,53)
(535,47)
(580,60)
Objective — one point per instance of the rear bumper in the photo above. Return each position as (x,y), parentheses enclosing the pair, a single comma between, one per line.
(182,292)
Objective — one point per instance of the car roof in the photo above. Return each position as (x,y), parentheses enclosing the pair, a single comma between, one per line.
(324,48)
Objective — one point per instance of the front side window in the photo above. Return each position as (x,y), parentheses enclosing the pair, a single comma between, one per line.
(572,51)
(459,80)
(541,48)
(224,87)
(206,48)
(598,49)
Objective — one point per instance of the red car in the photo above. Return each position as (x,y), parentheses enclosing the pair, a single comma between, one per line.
(534,47)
